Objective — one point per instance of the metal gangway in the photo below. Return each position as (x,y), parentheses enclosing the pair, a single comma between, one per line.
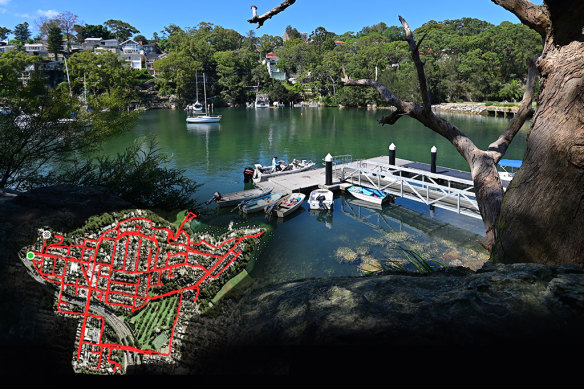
(433,189)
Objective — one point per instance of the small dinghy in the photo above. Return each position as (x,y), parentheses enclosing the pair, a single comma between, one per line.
(370,195)
(321,199)
(259,203)
(237,197)
(286,205)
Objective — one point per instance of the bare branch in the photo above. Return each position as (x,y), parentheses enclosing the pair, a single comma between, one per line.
(274,11)
(534,16)
(498,148)
(419,65)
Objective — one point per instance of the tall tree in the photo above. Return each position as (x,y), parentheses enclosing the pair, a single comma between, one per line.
(539,218)
(121,30)
(93,31)
(22,32)
(4,33)
(55,41)
(43,24)
(67,21)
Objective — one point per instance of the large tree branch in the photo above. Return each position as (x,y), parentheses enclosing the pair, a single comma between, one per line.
(419,65)
(274,11)
(498,148)
(534,16)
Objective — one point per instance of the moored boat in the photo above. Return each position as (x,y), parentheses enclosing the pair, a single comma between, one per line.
(512,165)
(371,195)
(320,199)
(282,167)
(286,205)
(237,197)
(259,203)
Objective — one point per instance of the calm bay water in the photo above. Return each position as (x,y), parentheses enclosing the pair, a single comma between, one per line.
(352,238)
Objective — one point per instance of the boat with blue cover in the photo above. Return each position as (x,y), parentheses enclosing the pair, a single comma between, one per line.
(509,167)
(370,195)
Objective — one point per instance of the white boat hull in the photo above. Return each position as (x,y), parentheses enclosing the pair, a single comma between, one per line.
(204,119)
(261,173)
(327,202)
(366,197)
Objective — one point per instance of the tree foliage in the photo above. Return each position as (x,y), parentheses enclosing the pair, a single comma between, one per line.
(121,30)
(22,32)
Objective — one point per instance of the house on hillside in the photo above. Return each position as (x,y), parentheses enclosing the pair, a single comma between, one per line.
(40,49)
(271,62)
(133,53)
(150,59)
(5,47)
(51,72)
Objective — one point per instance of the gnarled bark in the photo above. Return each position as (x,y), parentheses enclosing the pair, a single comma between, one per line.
(542,219)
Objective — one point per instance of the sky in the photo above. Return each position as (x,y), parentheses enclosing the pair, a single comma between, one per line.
(338,16)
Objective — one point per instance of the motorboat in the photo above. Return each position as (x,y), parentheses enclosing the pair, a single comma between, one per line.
(509,167)
(282,167)
(259,203)
(370,195)
(286,205)
(262,101)
(321,199)
(237,197)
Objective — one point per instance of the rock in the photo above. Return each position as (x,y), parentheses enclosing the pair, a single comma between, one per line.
(507,308)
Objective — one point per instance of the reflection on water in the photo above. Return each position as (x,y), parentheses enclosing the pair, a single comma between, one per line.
(351,238)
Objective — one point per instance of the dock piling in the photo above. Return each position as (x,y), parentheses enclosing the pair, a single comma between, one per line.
(392,154)
(328,180)
(433,151)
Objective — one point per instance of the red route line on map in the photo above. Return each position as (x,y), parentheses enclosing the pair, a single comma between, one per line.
(96,273)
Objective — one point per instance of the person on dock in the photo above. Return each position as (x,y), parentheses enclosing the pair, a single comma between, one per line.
(274,164)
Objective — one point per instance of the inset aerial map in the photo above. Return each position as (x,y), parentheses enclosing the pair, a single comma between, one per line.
(131,284)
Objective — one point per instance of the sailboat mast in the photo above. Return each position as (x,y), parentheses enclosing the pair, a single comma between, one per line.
(205,91)
(197,85)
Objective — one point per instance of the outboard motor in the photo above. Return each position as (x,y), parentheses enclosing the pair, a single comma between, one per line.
(248,174)
(321,199)
(216,196)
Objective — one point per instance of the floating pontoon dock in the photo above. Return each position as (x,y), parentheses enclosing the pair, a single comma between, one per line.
(446,188)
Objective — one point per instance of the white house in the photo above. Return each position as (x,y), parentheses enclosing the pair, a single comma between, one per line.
(133,53)
(271,61)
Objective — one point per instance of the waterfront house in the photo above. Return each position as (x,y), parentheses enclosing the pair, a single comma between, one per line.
(271,62)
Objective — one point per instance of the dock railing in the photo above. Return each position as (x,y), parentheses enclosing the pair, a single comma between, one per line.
(338,161)
(440,190)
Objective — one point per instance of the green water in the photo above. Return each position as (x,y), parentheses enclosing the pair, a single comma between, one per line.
(309,244)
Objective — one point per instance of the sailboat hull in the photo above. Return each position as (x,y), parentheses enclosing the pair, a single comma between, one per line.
(204,119)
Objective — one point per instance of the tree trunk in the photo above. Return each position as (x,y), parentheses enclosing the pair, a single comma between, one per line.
(542,216)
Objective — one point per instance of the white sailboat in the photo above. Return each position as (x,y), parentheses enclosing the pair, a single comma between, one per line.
(196,107)
(205,117)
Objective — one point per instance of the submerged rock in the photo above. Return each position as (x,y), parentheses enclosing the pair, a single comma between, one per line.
(346,255)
